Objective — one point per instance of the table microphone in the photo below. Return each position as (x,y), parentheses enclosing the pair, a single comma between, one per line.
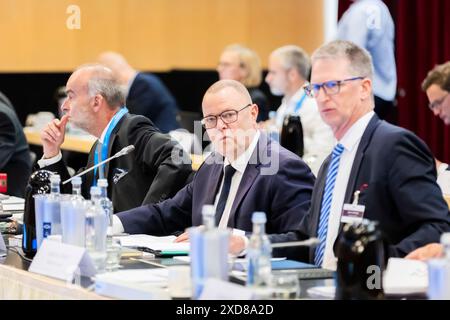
(122,152)
(311,242)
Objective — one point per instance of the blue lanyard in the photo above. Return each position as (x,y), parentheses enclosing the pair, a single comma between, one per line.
(111,127)
(300,103)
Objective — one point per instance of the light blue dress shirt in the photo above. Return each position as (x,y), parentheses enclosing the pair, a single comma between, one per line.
(369,24)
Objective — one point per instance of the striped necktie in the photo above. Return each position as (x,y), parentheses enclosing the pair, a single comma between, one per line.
(326,203)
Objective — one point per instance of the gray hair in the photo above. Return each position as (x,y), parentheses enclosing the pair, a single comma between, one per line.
(294,57)
(101,81)
(359,58)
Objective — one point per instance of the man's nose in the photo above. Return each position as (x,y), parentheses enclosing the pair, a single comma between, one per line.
(221,125)
(436,111)
(65,105)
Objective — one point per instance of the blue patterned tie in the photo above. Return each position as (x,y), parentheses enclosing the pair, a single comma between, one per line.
(326,203)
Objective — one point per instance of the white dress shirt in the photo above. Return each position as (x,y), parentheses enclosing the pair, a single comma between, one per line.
(240,164)
(318,138)
(350,141)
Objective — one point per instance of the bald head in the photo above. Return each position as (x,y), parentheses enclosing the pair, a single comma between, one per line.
(238,88)
(118,65)
(231,117)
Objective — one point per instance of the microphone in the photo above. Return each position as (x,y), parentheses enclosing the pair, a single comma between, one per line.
(311,242)
(122,152)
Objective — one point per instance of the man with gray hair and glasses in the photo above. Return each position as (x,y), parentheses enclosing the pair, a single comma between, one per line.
(382,167)
(153,172)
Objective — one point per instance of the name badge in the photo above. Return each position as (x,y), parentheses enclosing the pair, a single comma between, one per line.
(352,213)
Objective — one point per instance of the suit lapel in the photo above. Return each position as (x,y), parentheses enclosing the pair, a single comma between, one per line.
(112,139)
(213,183)
(365,141)
(316,206)
(249,176)
(90,163)
(354,173)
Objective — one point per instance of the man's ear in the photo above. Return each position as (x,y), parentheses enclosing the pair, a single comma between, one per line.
(254,110)
(366,88)
(97,102)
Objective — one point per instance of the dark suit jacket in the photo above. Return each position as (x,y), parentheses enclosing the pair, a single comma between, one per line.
(151,173)
(149,97)
(261,100)
(15,158)
(402,193)
(284,196)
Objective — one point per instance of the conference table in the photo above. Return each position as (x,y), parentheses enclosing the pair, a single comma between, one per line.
(16,282)
(83,144)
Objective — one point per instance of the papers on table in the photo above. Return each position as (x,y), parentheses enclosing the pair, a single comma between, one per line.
(404,276)
(11,204)
(133,284)
(162,244)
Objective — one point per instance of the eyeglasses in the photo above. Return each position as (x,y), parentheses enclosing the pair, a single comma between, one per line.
(437,103)
(329,87)
(228,116)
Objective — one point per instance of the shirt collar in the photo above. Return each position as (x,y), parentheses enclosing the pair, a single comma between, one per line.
(241,162)
(102,137)
(354,134)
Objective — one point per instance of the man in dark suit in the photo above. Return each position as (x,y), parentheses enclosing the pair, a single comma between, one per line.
(153,172)
(15,158)
(146,94)
(392,170)
(247,172)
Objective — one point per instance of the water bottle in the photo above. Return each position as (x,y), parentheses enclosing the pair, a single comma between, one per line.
(51,222)
(272,128)
(107,206)
(209,252)
(259,253)
(96,224)
(292,135)
(76,189)
(439,273)
(216,242)
(39,184)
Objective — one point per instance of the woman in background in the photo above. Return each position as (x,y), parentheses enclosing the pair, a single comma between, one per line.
(243,64)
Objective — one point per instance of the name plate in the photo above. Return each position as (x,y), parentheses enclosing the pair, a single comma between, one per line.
(62,261)
(215,289)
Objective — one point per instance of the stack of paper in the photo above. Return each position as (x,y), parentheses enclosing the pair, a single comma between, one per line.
(163,244)
(404,276)
(12,205)
(133,284)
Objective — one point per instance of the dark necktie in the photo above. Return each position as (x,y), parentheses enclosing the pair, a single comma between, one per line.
(229,172)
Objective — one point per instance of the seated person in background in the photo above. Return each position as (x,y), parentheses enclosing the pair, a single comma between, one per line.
(153,172)
(146,94)
(245,173)
(289,68)
(437,87)
(243,64)
(391,167)
(15,158)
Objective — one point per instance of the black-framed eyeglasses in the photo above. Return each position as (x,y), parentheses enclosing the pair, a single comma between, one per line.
(228,116)
(329,87)
(437,103)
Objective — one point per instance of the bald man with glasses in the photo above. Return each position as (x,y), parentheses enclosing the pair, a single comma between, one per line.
(247,172)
